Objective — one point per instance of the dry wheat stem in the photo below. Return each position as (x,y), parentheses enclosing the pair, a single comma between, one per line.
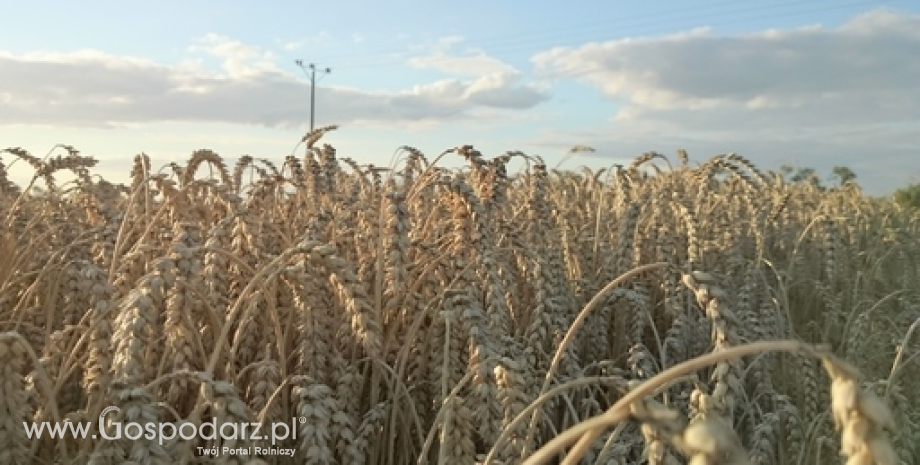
(519,260)
(598,298)
(586,432)
(539,402)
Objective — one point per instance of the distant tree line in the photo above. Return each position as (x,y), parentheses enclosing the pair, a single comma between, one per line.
(841,175)
(908,197)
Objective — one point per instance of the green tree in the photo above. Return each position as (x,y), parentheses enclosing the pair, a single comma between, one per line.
(805,174)
(841,174)
(786,170)
(844,175)
(908,197)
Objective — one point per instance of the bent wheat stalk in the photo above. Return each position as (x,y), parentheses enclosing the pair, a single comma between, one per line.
(587,431)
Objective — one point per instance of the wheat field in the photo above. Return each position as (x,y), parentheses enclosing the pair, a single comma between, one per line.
(665,312)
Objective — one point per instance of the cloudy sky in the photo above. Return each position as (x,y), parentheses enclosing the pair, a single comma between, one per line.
(813,83)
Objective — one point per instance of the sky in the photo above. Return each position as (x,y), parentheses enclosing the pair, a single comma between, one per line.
(812,83)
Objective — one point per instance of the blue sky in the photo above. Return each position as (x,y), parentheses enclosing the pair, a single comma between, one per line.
(809,83)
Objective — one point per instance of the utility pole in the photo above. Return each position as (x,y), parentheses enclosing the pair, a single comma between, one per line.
(312,74)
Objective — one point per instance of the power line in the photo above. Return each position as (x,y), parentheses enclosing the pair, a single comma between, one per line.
(520,42)
(550,32)
(312,74)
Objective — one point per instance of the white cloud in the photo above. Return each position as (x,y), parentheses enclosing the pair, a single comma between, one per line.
(97,89)
(874,52)
(441,56)
(473,65)
(496,83)
(239,59)
(824,96)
